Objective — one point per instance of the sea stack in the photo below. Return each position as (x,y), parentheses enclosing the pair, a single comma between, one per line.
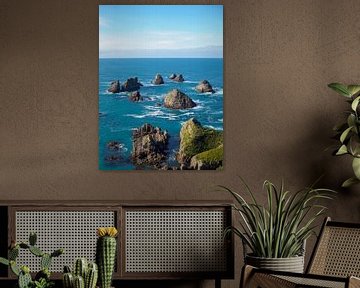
(158,80)
(114,87)
(130,85)
(149,146)
(172,76)
(204,87)
(135,96)
(178,78)
(176,99)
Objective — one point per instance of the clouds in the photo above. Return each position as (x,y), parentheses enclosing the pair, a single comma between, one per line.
(150,34)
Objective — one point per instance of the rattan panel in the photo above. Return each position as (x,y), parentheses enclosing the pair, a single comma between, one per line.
(75,231)
(313,282)
(338,253)
(175,241)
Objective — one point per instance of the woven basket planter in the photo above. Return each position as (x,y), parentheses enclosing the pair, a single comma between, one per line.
(291,264)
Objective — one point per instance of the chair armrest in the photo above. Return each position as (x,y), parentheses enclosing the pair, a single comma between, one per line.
(254,277)
(354,282)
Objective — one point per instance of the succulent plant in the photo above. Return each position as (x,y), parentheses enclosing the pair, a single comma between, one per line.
(106,254)
(42,278)
(85,275)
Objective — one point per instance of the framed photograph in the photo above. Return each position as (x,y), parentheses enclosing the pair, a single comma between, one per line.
(161,87)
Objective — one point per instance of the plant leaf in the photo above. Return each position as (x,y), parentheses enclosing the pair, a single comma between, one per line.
(342,150)
(356,167)
(355,103)
(340,88)
(353,89)
(349,182)
(345,134)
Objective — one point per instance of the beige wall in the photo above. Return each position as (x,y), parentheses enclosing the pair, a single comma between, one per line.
(279,57)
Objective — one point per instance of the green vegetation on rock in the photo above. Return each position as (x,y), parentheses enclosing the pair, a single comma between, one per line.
(210,159)
(195,139)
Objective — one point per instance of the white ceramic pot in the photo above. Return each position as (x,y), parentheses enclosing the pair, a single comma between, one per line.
(291,264)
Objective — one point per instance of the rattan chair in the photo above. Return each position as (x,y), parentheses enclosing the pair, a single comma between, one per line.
(334,263)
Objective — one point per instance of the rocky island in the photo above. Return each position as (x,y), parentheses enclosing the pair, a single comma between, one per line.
(130,85)
(176,99)
(201,148)
(204,86)
(149,146)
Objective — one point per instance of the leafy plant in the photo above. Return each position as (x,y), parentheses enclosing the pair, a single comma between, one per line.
(42,278)
(279,229)
(348,132)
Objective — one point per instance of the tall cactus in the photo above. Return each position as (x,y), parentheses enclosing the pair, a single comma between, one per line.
(106,254)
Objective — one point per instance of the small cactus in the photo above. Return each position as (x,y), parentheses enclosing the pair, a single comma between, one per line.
(89,272)
(68,280)
(79,282)
(106,254)
(91,276)
(80,268)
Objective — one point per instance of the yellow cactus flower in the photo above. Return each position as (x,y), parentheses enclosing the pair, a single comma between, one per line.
(106,231)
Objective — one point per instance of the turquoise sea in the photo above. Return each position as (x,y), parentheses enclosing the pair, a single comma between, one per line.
(118,116)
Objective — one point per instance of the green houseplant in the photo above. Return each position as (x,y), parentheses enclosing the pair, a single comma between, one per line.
(348,132)
(275,233)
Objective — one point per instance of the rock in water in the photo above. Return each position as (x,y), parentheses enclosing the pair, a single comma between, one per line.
(172,76)
(149,146)
(158,80)
(178,78)
(114,87)
(204,86)
(176,99)
(114,145)
(130,85)
(200,147)
(135,96)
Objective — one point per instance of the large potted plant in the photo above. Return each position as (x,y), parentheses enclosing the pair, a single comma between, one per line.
(275,233)
(348,133)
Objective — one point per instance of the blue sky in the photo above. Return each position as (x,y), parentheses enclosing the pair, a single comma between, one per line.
(159,31)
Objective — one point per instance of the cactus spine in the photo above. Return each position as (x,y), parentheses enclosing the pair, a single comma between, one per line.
(106,254)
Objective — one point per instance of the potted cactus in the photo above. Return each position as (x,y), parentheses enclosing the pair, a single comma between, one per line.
(85,275)
(42,278)
(106,254)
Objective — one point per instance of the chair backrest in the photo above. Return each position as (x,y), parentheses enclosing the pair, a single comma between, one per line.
(337,251)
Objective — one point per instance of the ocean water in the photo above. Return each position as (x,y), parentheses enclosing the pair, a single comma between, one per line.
(118,116)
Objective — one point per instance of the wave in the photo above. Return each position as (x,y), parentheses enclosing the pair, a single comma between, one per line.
(155,113)
(214,127)
(193,82)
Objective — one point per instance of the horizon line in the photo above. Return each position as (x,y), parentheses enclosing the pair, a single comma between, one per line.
(161,57)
